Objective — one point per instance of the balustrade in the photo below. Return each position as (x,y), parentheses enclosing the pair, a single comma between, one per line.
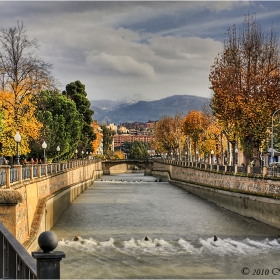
(18,173)
(264,170)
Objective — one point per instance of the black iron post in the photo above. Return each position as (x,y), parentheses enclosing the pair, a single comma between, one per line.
(48,261)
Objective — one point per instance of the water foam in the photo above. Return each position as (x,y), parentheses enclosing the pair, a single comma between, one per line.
(160,246)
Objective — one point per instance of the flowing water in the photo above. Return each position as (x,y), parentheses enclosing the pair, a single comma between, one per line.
(130,226)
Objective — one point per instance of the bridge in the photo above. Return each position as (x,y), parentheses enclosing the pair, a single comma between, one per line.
(147,165)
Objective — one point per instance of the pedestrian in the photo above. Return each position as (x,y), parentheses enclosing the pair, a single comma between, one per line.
(3,161)
(40,161)
(24,162)
(32,161)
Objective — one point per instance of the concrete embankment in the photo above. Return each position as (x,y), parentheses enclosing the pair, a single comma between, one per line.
(249,197)
(33,206)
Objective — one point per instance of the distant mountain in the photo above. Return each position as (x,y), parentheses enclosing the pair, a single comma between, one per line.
(128,111)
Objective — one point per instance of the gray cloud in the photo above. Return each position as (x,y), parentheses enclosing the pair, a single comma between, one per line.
(123,48)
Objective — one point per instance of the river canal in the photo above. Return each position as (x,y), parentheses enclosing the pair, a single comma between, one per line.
(131,227)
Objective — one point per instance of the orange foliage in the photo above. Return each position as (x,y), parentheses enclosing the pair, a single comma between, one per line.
(99,136)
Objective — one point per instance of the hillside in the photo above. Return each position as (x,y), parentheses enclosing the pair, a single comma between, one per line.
(143,111)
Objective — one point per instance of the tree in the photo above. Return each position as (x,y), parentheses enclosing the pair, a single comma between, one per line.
(194,126)
(108,137)
(62,125)
(22,76)
(245,81)
(76,92)
(168,134)
(138,150)
(98,140)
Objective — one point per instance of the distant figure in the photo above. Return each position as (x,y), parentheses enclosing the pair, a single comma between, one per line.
(146,238)
(2,159)
(24,162)
(32,161)
(40,161)
(215,238)
(76,238)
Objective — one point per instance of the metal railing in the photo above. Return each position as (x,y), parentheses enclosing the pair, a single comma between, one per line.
(15,262)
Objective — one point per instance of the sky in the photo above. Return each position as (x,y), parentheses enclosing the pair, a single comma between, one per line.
(132,50)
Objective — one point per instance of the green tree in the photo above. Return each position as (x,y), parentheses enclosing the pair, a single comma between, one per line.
(76,92)
(138,150)
(62,125)
(108,137)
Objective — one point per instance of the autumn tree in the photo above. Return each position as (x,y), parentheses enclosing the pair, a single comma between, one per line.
(195,124)
(168,135)
(22,76)
(245,81)
(99,136)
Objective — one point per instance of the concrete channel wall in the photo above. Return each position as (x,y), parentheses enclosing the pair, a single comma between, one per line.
(33,206)
(248,197)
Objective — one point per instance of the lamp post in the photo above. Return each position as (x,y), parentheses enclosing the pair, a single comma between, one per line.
(196,156)
(212,155)
(87,154)
(186,154)
(272,151)
(178,158)
(58,150)
(76,152)
(44,146)
(236,156)
(82,154)
(17,139)
(171,156)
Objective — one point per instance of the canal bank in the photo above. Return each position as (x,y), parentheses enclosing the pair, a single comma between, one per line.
(249,197)
(135,227)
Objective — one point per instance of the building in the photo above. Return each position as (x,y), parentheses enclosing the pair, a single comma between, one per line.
(122,138)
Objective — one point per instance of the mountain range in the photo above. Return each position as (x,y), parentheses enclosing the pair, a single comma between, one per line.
(117,112)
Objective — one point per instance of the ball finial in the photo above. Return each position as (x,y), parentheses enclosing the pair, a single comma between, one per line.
(47,241)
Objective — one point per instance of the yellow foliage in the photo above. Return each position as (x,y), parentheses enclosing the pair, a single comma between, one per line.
(99,136)
(18,116)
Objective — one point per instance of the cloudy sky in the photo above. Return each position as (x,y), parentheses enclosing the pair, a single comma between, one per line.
(136,50)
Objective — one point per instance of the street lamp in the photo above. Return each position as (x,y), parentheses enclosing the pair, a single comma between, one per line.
(196,156)
(186,153)
(236,156)
(212,155)
(87,154)
(44,146)
(272,151)
(178,157)
(82,154)
(17,139)
(76,152)
(171,156)
(58,150)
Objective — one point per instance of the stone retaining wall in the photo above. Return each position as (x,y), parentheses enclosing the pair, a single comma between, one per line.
(22,206)
(250,197)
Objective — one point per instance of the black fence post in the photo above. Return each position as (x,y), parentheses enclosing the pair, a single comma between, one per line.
(48,261)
